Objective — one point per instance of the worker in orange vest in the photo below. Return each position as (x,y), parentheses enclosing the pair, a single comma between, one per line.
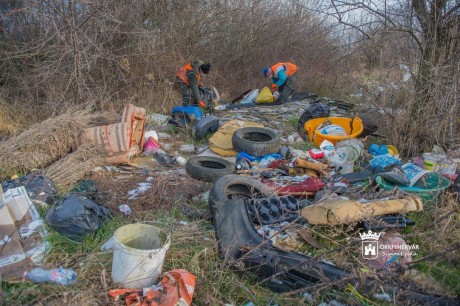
(283,75)
(188,78)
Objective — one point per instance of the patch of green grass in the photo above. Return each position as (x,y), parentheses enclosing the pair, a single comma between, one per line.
(292,122)
(304,146)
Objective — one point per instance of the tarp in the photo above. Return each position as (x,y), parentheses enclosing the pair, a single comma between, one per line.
(345,211)
(221,141)
(121,140)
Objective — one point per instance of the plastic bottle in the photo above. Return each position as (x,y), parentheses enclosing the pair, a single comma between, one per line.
(59,276)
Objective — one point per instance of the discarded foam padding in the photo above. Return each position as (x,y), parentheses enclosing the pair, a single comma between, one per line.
(345,211)
(122,140)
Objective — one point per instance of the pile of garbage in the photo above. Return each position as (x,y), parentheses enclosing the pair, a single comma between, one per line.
(266,195)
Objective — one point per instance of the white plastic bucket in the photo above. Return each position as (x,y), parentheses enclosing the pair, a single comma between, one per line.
(138,255)
(432,161)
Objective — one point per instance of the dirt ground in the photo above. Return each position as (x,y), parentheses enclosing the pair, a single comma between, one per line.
(169,189)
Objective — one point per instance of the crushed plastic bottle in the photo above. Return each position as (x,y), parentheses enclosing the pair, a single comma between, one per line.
(58,276)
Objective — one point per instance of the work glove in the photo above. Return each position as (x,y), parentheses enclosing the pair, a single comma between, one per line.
(201,104)
(273,88)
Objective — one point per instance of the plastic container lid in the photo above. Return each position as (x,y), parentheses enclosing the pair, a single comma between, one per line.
(352,152)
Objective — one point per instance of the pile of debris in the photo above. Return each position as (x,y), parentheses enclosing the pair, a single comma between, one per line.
(267,192)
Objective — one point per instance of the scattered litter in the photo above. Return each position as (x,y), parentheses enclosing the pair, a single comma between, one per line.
(5,240)
(141,188)
(176,288)
(345,211)
(158,119)
(17,254)
(384,161)
(28,230)
(183,222)
(163,158)
(151,146)
(167,147)
(109,245)
(139,253)
(316,154)
(98,169)
(201,197)
(75,216)
(189,148)
(153,134)
(110,168)
(124,208)
(181,160)
(327,147)
(308,297)
(383,297)
(162,135)
(40,189)
(59,276)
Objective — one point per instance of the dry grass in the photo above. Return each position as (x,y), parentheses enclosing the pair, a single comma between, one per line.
(66,172)
(45,142)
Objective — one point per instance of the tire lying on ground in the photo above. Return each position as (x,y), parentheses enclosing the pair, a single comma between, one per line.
(256,141)
(206,125)
(208,168)
(235,186)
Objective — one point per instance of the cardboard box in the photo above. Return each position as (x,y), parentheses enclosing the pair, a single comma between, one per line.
(17,254)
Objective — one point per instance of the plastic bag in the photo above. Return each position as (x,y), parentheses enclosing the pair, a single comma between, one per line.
(316,110)
(327,147)
(176,288)
(383,161)
(76,216)
(40,189)
(265,96)
(151,146)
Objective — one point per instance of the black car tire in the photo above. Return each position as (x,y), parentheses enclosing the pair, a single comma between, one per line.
(238,186)
(256,141)
(234,187)
(208,168)
(206,125)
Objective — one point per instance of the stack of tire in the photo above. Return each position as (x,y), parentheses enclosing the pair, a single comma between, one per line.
(256,141)
(252,140)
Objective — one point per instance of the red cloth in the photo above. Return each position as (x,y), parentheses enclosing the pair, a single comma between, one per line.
(308,187)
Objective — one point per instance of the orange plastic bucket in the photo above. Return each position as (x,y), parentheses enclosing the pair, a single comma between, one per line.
(353,127)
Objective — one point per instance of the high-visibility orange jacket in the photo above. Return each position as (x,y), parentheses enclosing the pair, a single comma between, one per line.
(289,69)
(182,74)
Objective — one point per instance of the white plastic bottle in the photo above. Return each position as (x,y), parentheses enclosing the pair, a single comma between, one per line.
(59,276)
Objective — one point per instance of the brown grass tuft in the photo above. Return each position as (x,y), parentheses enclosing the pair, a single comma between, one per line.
(66,172)
(45,142)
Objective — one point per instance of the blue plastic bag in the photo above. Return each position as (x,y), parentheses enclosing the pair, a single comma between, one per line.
(190,110)
(382,161)
(377,150)
(258,159)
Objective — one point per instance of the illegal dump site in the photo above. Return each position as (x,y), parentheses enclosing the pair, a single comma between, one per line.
(307,157)
(236,206)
